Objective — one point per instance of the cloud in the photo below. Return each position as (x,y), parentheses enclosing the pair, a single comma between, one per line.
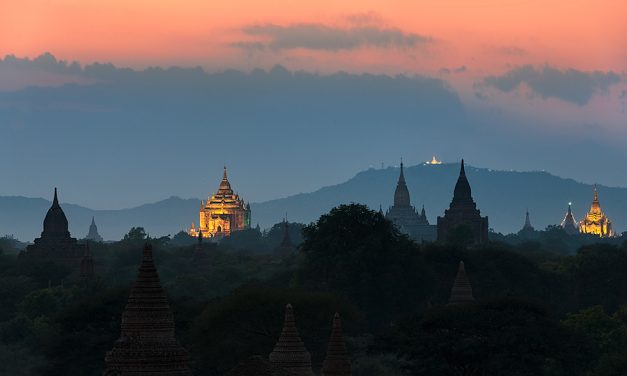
(461,69)
(570,85)
(321,37)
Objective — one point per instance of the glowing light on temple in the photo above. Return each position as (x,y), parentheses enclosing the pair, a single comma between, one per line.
(222,213)
(596,222)
(434,161)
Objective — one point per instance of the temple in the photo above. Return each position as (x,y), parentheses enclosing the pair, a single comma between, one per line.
(93,234)
(337,362)
(569,224)
(55,243)
(463,212)
(223,212)
(405,216)
(147,345)
(527,228)
(286,246)
(289,352)
(461,293)
(595,222)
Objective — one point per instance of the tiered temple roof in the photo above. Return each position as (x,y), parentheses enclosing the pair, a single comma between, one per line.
(337,362)
(222,213)
(596,222)
(461,293)
(463,212)
(147,345)
(290,352)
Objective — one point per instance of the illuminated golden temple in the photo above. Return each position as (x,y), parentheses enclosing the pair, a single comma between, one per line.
(222,213)
(595,222)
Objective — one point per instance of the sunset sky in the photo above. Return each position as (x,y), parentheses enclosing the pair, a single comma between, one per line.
(549,69)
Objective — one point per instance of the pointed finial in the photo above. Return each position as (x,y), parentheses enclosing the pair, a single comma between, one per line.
(55,200)
(224,177)
(93,220)
(462,171)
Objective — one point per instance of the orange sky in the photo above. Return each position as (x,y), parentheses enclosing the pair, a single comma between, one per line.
(582,34)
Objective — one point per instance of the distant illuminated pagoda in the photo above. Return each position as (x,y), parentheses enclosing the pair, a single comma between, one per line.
(434,161)
(222,213)
(595,222)
(569,224)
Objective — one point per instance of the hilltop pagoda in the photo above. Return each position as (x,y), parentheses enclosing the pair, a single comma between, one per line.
(596,222)
(147,345)
(527,229)
(463,212)
(223,213)
(405,216)
(55,243)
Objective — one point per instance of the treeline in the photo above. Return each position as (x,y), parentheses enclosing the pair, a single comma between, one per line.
(541,311)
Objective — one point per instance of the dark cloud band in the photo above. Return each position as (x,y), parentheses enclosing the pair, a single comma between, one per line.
(570,85)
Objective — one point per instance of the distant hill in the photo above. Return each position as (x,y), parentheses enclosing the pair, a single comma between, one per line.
(502,195)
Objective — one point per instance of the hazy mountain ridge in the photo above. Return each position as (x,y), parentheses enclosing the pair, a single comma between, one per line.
(501,195)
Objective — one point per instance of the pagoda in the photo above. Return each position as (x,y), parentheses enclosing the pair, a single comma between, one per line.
(337,362)
(147,345)
(223,212)
(405,216)
(463,212)
(595,222)
(286,246)
(569,224)
(55,243)
(93,234)
(461,293)
(527,228)
(290,352)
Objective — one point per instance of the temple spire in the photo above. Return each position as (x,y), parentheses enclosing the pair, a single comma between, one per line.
(55,200)
(290,352)
(337,362)
(462,193)
(401,194)
(461,293)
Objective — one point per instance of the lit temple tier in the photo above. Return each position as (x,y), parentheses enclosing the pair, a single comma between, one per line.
(595,222)
(222,213)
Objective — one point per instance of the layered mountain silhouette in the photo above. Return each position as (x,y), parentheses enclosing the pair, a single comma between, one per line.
(503,196)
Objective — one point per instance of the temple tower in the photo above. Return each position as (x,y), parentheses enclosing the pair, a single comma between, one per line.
(569,224)
(461,293)
(223,212)
(463,212)
(147,345)
(596,222)
(337,362)
(55,242)
(404,215)
(527,228)
(290,352)
(93,234)
(286,247)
